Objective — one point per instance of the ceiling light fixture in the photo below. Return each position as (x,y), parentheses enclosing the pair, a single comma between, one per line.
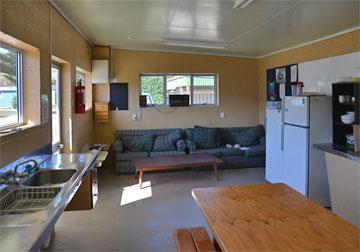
(200,44)
(241,4)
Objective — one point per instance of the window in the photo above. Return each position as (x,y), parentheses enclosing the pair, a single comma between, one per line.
(153,87)
(55,102)
(202,88)
(10,87)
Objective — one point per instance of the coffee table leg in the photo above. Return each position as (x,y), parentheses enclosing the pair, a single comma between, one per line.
(135,176)
(216,172)
(141,178)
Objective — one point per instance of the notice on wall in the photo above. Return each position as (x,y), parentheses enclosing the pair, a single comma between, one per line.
(44,108)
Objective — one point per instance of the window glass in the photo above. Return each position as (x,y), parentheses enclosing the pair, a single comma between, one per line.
(200,87)
(153,87)
(177,84)
(10,87)
(204,89)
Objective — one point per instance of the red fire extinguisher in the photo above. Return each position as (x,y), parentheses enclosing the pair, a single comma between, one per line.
(79,98)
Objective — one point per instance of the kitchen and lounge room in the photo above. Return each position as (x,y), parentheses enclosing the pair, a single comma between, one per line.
(176,125)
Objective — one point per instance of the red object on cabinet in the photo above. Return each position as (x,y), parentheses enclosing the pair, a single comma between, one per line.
(80,99)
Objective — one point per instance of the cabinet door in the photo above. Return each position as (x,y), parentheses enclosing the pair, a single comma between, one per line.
(100,71)
(82,199)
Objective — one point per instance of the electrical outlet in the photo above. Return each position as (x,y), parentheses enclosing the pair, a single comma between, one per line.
(134,116)
(222,114)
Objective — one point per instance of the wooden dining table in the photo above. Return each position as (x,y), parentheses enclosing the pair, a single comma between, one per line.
(272,217)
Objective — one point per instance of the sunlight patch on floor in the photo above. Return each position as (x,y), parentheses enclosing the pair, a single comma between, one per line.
(133,193)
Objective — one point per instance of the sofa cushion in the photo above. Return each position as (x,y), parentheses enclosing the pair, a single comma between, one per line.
(138,143)
(258,150)
(250,136)
(166,153)
(118,146)
(227,134)
(217,134)
(232,152)
(204,138)
(167,142)
(181,145)
(190,145)
(262,140)
(215,151)
(129,155)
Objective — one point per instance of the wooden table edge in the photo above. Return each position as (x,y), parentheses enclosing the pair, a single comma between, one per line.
(220,243)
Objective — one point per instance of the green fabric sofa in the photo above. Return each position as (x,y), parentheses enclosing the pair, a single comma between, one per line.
(233,157)
(124,154)
(131,144)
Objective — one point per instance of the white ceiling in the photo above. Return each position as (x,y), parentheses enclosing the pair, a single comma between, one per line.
(265,26)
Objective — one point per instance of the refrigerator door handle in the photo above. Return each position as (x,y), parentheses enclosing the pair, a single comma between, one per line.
(282,137)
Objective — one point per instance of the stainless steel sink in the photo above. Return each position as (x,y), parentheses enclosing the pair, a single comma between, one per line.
(27,199)
(49,177)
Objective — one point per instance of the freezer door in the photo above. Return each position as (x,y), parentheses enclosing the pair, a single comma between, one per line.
(273,168)
(297,110)
(295,166)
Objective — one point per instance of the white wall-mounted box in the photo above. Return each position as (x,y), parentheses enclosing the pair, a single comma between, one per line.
(100,71)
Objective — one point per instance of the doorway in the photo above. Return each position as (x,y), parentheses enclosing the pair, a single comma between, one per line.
(55,106)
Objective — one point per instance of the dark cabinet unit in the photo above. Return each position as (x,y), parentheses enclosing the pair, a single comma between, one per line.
(346,99)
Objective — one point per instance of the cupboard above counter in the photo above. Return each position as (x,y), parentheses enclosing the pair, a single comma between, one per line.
(346,113)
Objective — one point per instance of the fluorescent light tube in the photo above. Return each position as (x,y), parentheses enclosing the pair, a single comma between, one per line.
(241,4)
(200,44)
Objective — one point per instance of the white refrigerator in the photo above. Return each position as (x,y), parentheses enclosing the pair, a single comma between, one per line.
(291,131)
(274,143)
(307,121)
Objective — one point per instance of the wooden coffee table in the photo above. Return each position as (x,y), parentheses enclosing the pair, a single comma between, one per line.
(174,162)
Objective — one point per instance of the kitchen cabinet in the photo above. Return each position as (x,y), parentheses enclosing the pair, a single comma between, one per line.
(86,196)
(100,71)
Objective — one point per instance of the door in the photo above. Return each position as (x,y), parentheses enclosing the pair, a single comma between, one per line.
(297,110)
(295,166)
(55,106)
(274,153)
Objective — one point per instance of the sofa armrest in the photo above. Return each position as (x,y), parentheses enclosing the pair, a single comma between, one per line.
(118,146)
(190,145)
(262,140)
(180,145)
(257,150)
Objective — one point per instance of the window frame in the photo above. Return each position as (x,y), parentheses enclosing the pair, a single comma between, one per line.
(19,85)
(192,75)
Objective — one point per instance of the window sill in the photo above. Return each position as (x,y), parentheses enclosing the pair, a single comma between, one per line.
(190,106)
(16,130)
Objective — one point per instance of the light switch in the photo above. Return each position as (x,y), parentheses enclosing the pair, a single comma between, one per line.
(222,114)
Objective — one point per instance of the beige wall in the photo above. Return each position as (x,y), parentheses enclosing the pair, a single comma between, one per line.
(343,44)
(30,22)
(238,92)
(69,46)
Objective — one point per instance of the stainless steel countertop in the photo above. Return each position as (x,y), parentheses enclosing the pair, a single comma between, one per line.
(328,147)
(25,232)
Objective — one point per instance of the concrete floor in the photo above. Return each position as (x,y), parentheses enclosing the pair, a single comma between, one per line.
(116,223)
